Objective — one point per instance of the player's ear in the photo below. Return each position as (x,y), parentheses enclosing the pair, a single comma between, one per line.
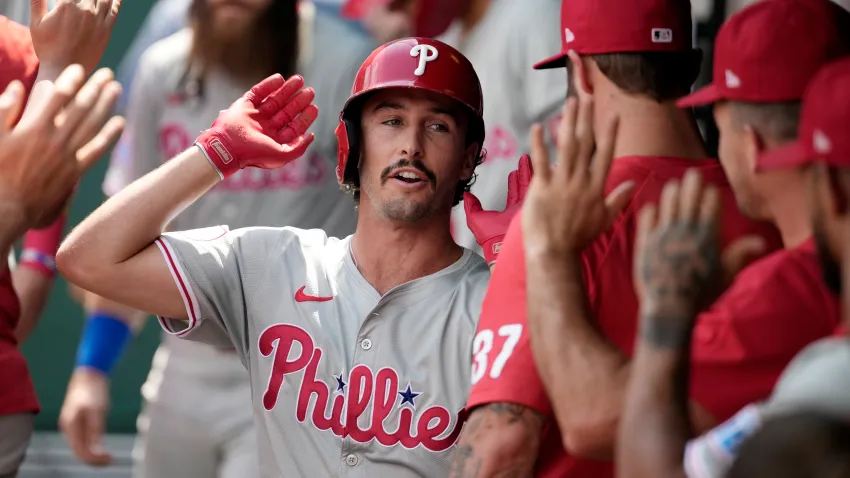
(581,77)
(754,146)
(470,160)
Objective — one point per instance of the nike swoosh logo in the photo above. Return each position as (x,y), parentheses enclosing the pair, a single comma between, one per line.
(300,296)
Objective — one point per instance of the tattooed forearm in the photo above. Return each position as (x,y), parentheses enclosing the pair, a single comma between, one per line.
(667,329)
(498,440)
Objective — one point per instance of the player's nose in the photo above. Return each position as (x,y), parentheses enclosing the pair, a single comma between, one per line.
(412,143)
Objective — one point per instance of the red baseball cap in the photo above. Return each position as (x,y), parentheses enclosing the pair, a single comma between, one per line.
(824,123)
(592,27)
(769,51)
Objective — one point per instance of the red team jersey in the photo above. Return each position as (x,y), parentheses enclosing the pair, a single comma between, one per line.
(17,62)
(741,344)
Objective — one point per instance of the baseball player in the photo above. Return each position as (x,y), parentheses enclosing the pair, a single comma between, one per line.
(503,39)
(65,152)
(633,66)
(784,288)
(355,346)
(817,379)
(196,421)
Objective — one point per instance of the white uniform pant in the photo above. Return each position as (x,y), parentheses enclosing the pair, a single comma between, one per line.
(195,426)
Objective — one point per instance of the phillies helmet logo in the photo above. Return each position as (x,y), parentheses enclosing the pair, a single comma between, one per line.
(292,350)
(425,53)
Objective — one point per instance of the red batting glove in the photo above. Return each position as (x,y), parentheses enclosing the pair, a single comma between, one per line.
(265,128)
(489,227)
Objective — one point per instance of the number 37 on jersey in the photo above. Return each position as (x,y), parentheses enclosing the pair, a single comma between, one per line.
(492,349)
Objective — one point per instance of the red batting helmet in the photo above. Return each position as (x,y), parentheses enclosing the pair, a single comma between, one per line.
(418,63)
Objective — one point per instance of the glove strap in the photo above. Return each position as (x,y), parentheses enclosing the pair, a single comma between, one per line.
(103,342)
(491,248)
(218,153)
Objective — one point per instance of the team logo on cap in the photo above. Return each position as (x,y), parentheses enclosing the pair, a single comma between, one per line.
(569,36)
(426,53)
(662,35)
(821,142)
(732,80)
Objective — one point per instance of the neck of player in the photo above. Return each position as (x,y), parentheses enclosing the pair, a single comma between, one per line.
(787,208)
(390,253)
(650,128)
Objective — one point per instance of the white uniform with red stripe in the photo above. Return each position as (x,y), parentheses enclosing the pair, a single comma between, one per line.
(503,48)
(346,382)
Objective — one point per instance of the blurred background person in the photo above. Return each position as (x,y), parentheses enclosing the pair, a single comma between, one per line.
(197,416)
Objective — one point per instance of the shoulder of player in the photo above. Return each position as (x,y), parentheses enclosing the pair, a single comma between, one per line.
(783,280)
(17,56)
(168,54)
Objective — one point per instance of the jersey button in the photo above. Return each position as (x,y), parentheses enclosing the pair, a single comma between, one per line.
(366,344)
(351,460)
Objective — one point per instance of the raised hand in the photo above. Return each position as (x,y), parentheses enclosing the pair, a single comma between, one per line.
(266,128)
(64,131)
(566,207)
(489,227)
(679,269)
(73,32)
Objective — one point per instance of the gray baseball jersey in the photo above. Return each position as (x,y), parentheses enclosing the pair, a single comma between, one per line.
(164,117)
(818,379)
(346,382)
(503,48)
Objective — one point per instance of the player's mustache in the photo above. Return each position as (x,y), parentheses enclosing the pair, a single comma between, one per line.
(404,163)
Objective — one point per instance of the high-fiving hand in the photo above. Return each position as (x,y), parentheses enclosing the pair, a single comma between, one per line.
(63,133)
(490,227)
(679,268)
(73,32)
(566,207)
(266,128)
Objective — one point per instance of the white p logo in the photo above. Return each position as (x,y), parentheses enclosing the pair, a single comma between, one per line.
(425,53)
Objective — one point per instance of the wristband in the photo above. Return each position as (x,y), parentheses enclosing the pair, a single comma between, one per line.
(103,341)
(217,154)
(491,248)
(40,246)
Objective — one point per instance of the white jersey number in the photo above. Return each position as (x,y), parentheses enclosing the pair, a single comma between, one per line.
(483,345)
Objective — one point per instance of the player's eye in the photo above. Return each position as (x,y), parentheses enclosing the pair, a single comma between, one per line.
(393,122)
(439,127)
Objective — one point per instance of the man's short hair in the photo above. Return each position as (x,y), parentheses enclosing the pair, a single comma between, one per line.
(776,121)
(662,76)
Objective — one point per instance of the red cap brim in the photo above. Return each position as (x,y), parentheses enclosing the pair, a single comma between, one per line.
(790,155)
(557,61)
(704,96)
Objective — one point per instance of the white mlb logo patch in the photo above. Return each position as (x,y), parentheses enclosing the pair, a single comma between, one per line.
(662,35)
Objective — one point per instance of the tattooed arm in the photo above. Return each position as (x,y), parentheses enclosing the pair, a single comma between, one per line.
(677,271)
(498,440)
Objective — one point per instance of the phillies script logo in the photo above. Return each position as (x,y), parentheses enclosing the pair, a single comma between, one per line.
(364,388)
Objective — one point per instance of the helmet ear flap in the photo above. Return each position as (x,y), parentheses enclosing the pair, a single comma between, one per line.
(348,151)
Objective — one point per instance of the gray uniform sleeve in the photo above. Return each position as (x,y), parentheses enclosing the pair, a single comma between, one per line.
(137,153)
(818,379)
(214,270)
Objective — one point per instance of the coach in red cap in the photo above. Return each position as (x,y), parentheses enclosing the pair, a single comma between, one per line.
(654,428)
(631,60)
